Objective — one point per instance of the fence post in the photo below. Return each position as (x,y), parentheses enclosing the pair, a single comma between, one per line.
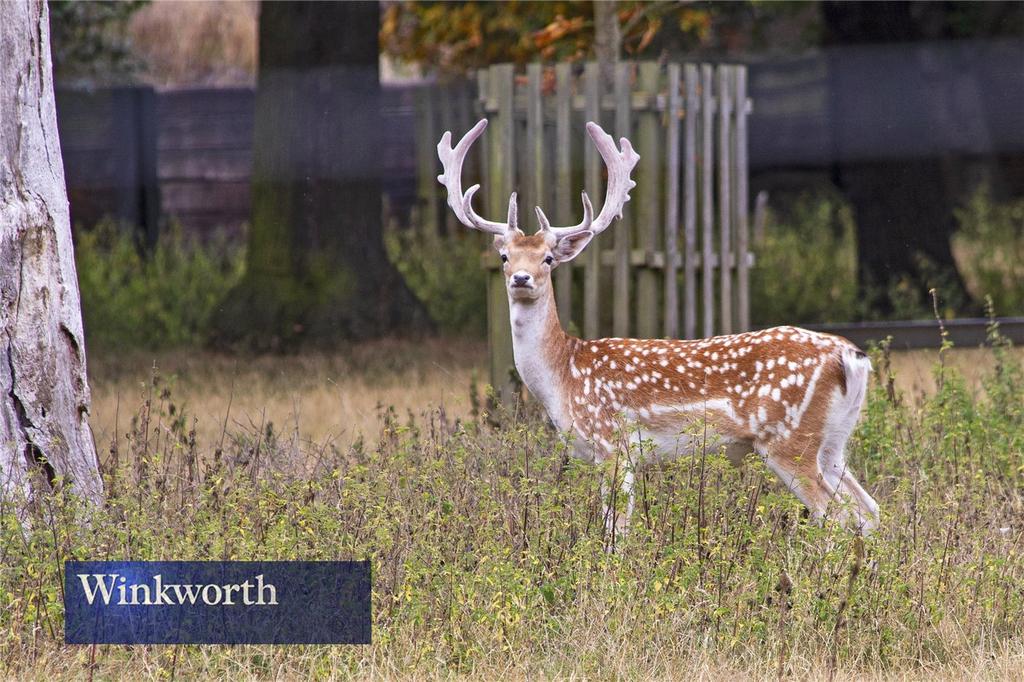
(671,316)
(501,182)
(647,212)
(148,179)
(623,228)
(592,182)
(742,199)
(563,181)
(691,76)
(134,146)
(533,185)
(725,258)
(707,196)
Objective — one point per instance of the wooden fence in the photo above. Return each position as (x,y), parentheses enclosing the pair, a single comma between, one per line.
(678,262)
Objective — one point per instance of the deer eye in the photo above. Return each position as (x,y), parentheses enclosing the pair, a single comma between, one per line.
(549,260)
(504,258)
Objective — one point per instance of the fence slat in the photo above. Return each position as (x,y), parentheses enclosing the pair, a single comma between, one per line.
(501,182)
(648,202)
(691,77)
(592,182)
(533,183)
(671,302)
(465,118)
(623,228)
(707,196)
(724,203)
(742,198)
(563,180)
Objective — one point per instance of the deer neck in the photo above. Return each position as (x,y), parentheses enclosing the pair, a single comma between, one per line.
(542,352)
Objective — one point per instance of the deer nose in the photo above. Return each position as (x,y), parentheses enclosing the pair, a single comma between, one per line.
(521,279)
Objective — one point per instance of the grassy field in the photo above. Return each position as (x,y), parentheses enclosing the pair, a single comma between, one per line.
(339,397)
(334,398)
(489,553)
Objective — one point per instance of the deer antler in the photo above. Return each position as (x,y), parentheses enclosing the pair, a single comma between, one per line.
(620,164)
(462,203)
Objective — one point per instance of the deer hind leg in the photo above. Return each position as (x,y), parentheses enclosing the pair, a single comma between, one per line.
(843,413)
(868,511)
(862,508)
(801,476)
(823,483)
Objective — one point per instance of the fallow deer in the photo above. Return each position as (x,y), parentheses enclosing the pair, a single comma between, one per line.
(790,395)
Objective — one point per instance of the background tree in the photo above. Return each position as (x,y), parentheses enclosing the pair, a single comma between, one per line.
(456,37)
(91,43)
(317,269)
(44,395)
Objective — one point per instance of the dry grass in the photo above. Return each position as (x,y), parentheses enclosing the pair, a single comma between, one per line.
(914,369)
(338,397)
(197,43)
(1005,664)
(334,397)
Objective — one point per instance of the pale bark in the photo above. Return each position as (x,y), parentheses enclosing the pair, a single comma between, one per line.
(44,394)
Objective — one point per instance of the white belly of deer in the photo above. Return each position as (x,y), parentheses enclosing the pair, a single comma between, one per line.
(659,432)
(690,439)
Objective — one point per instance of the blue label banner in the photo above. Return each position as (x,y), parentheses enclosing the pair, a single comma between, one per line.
(217,602)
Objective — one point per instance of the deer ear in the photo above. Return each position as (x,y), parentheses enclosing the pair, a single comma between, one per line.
(569,246)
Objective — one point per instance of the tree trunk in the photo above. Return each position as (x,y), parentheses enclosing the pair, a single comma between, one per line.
(317,269)
(44,394)
(607,40)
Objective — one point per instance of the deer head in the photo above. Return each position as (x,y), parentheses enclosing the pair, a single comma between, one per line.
(527,260)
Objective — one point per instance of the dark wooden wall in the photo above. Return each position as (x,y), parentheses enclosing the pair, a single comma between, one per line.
(204,156)
(143,157)
(108,144)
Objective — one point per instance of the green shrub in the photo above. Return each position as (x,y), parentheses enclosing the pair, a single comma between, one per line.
(158,300)
(446,273)
(806,268)
(989,249)
(908,297)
